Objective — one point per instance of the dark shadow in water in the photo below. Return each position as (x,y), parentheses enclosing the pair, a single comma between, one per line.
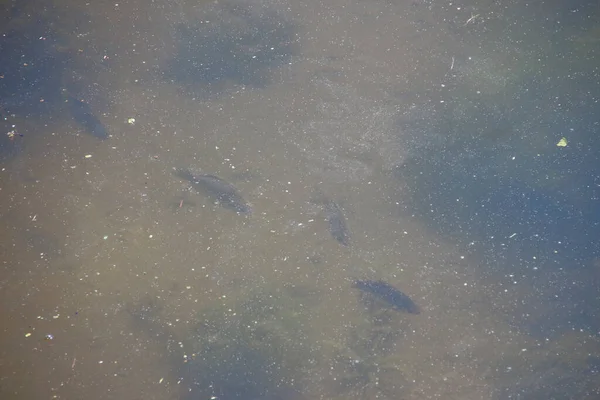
(367,366)
(473,199)
(493,178)
(233,371)
(527,205)
(471,189)
(259,352)
(36,68)
(31,66)
(239,45)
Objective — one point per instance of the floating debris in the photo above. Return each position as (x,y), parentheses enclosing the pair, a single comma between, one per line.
(389,294)
(562,142)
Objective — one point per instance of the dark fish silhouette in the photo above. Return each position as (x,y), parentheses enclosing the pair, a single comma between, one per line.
(83,115)
(386,292)
(337,223)
(217,189)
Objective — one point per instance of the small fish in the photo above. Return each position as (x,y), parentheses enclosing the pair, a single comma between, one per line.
(217,189)
(334,216)
(83,115)
(386,292)
(337,223)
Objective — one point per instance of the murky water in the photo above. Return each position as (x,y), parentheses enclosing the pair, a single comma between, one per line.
(433,126)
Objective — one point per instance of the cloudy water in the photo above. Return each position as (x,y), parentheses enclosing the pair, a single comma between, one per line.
(458,142)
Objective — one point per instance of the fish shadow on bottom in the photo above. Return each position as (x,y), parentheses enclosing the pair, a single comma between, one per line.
(388,295)
(84,116)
